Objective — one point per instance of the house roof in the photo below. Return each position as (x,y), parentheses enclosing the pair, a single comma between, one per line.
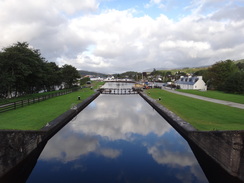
(187,80)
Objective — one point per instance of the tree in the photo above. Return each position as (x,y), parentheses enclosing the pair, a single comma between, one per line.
(24,71)
(6,77)
(205,76)
(219,72)
(52,77)
(84,80)
(69,75)
(178,74)
(22,68)
(235,83)
(240,65)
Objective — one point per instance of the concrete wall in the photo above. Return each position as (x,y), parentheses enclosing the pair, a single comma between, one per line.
(225,148)
(15,146)
(54,126)
(19,149)
(183,127)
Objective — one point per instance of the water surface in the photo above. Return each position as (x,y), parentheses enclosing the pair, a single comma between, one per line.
(117,139)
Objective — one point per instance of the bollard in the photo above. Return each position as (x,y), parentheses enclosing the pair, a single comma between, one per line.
(159,98)
(78,97)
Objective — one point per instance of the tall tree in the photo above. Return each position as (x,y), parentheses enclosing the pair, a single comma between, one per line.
(235,83)
(219,73)
(24,71)
(69,75)
(6,77)
(21,70)
(52,77)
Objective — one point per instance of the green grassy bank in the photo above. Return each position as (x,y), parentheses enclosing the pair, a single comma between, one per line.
(30,96)
(35,116)
(217,95)
(201,114)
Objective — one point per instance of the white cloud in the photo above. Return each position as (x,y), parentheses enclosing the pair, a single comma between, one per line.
(73,6)
(158,3)
(65,31)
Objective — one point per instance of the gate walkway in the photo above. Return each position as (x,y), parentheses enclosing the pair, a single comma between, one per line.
(231,104)
(118,91)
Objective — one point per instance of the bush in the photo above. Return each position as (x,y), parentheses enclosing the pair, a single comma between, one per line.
(83,81)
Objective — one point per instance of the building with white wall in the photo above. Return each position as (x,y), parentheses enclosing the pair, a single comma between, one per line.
(191,83)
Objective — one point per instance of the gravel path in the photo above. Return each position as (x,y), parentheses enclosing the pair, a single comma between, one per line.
(231,104)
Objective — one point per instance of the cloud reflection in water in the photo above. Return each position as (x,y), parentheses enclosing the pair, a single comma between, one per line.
(116,119)
(111,119)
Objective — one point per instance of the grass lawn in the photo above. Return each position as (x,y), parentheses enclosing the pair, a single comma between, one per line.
(35,116)
(30,96)
(217,95)
(201,114)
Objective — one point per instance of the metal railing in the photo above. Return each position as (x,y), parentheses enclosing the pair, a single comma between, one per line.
(118,91)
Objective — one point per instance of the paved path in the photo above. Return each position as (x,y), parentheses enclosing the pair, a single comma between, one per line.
(231,104)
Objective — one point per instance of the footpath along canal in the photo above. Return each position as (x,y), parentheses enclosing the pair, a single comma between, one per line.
(117,138)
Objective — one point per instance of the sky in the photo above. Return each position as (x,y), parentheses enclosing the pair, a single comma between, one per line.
(115,36)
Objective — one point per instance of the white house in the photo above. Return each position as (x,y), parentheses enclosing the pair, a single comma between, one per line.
(191,83)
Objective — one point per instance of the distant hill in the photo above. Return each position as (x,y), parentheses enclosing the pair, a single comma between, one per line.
(190,69)
(173,70)
(239,61)
(177,68)
(95,74)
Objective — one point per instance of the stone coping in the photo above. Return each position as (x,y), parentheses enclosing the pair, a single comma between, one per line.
(183,127)
(54,126)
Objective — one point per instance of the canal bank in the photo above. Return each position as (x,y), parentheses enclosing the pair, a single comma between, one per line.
(225,148)
(129,141)
(17,147)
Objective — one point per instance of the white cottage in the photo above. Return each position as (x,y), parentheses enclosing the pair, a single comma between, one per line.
(191,83)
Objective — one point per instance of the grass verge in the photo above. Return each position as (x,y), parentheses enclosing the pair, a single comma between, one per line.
(35,116)
(217,95)
(201,114)
(30,96)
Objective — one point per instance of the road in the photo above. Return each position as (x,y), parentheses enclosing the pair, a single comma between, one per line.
(231,104)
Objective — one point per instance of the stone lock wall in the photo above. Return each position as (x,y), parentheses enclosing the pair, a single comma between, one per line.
(225,147)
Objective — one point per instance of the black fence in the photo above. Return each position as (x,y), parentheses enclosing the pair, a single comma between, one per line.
(22,103)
